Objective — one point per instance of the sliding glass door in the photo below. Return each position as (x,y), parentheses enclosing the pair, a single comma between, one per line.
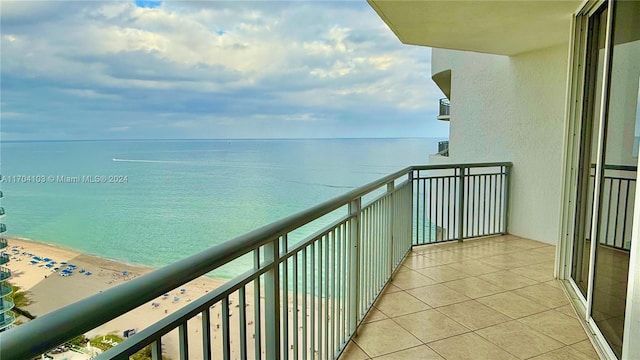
(608,42)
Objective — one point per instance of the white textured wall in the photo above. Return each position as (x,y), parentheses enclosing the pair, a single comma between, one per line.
(512,109)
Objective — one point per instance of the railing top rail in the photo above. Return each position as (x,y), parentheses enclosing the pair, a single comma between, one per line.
(35,337)
(618,167)
(462,165)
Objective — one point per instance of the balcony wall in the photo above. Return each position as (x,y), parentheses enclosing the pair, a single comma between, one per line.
(512,108)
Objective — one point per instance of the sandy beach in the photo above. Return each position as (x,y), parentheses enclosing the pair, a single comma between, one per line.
(49,291)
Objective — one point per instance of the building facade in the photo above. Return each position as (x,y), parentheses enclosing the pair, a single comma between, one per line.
(7,318)
(554,88)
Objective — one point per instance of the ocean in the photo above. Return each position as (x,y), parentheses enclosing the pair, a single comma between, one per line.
(152,202)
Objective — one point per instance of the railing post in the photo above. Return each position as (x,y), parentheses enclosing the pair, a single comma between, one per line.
(461,204)
(505,214)
(410,217)
(272,299)
(354,262)
(390,222)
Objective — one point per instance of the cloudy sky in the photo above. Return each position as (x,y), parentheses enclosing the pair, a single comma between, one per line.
(209,69)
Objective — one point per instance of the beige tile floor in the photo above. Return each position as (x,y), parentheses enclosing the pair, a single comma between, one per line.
(491,298)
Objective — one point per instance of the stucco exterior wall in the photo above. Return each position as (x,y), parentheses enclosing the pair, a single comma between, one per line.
(512,109)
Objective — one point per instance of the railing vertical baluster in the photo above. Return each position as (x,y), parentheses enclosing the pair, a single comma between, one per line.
(314,313)
(335,258)
(184,341)
(285,303)
(343,286)
(390,223)
(381,232)
(461,221)
(495,203)
(456,224)
(624,208)
(257,322)
(424,210)
(156,349)
(449,200)
(321,293)
(327,296)
(206,334)
(378,238)
(226,338)
(354,243)
(305,332)
(439,205)
(486,205)
(272,299)
(615,228)
(418,227)
(473,206)
(606,233)
(505,214)
(431,208)
(408,221)
(242,320)
(296,328)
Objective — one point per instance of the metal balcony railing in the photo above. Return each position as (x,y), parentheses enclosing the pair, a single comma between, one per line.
(3,243)
(445,106)
(6,304)
(616,217)
(4,258)
(309,295)
(7,319)
(5,273)
(5,290)
(443,148)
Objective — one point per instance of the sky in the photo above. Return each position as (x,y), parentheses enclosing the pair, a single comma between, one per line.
(143,69)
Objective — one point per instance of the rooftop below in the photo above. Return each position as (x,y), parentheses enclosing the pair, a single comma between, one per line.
(490,298)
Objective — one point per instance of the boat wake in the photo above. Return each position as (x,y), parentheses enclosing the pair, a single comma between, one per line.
(146,161)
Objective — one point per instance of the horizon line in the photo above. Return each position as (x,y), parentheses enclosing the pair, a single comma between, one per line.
(227,139)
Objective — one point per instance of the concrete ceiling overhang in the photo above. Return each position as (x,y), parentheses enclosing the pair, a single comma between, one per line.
(495,27)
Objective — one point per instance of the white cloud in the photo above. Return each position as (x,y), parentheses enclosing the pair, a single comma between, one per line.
(233,60)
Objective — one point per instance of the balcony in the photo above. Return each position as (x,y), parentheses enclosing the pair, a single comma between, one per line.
(489,298)
(443,148)
(5,273)
(6,304)
(445,106)
(360,263)
(4,258)
(6,320)
(5,290)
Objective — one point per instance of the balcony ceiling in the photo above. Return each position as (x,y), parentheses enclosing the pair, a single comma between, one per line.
(494,27)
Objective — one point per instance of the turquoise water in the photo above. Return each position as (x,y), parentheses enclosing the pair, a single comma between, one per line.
(175,198)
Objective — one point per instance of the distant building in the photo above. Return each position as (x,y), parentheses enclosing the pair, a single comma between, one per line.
(7,318)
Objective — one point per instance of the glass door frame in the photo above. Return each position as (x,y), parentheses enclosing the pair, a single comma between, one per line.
(574,112)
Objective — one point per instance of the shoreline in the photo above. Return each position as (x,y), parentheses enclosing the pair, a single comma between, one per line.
(48,291)
(26,240)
